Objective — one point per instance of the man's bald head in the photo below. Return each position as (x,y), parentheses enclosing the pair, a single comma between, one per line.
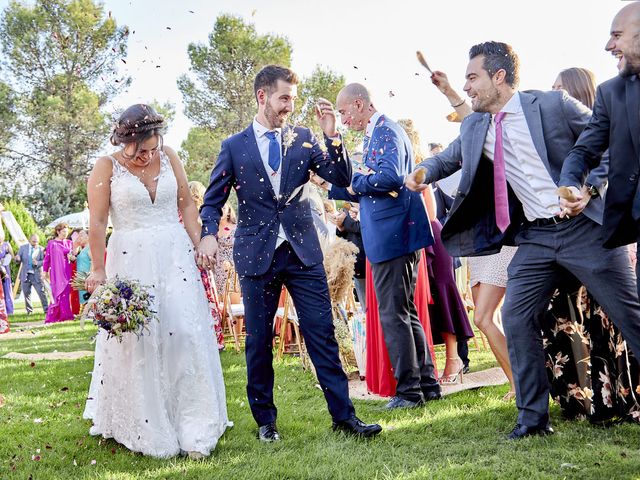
(354,91)
(355,106)
(624,43)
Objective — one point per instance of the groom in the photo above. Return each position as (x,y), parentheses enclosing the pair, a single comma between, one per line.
(276,243)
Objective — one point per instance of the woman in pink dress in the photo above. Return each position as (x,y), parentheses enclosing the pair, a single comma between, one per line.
(4,318)
(57,263)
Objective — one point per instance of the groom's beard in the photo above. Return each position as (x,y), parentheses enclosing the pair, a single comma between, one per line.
(276,119)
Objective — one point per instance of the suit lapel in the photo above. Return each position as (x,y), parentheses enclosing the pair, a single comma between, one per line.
(254,153)
(633,109)
(531,111)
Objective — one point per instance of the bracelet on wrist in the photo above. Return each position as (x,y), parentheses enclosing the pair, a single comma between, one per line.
(457,104)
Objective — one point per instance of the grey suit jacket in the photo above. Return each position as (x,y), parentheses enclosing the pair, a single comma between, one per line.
(23,256)
(555,121)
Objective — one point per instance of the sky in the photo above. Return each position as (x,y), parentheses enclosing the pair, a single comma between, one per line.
(372,42)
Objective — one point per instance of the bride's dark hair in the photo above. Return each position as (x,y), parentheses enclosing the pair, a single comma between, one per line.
(137,124)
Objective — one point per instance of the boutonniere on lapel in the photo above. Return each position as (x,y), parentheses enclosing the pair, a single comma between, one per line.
(288,138)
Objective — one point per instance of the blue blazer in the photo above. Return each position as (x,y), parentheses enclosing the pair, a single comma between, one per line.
(391,226)
(555,122)
(261,211)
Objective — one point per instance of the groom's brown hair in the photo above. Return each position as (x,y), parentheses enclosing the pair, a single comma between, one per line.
(268,77)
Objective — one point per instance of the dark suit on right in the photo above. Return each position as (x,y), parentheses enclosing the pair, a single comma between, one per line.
(615,125)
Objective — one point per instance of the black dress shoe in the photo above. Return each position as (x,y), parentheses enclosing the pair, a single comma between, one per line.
(521,431)
(357,427)
(431,395)
(268,433)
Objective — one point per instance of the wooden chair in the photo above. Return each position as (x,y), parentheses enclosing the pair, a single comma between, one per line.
(289,321)
(232,313)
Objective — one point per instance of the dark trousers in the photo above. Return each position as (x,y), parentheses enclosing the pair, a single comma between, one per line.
(574,245)
(32,280)
(395,283)
(310,295)
(638,267)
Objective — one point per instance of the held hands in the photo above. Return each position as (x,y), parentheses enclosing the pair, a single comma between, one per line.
(326,117)
(206,252)
(415,180)
(319,181)
(572,200)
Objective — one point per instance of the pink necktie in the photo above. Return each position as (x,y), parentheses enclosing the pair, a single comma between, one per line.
(500,178)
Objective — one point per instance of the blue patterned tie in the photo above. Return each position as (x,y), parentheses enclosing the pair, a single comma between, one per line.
(274,151)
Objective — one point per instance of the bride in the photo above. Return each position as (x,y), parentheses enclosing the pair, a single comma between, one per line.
(163,393)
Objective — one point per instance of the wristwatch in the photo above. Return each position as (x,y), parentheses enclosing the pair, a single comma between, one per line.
(592,190)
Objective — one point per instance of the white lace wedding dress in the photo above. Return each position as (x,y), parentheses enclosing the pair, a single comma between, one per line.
(162,393)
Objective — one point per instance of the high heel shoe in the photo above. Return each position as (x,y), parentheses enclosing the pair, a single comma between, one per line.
(510,395)
(453,378)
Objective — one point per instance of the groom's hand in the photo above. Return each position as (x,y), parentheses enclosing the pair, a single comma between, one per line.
(326,117)
(206,252)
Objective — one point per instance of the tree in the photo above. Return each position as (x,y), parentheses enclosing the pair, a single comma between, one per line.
(199,152)
(26,222)
(219,94)
(63,57)
(56,197)
(166,109)
(7,114)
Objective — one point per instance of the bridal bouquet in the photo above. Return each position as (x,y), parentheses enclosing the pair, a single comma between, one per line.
(120,306)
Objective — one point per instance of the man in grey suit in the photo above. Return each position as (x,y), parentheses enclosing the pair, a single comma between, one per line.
(511,151)
(31,256)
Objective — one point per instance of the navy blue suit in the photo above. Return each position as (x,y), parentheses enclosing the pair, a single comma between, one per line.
(296,263)
(394,229)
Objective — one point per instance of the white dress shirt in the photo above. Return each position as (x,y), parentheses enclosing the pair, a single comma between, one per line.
(525,171)
(371,125)
(274,177)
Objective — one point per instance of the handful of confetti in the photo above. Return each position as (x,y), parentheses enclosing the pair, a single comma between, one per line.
(423,62)
(421,175)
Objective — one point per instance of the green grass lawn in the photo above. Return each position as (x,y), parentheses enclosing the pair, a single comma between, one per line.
(43,435)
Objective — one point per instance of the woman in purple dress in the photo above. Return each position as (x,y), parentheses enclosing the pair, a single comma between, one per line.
(6,254)
(57,263)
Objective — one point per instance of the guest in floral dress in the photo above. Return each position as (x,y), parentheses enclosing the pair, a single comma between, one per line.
(197,190)
(224,257)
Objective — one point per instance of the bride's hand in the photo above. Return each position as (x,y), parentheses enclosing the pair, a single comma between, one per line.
(95,279)
(206,252)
